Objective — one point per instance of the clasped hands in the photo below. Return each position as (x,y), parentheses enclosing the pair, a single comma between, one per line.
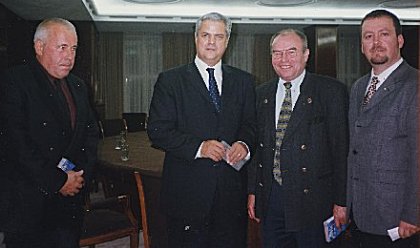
(74,183)
(215,151)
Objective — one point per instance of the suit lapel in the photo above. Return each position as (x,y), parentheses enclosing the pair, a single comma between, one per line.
(49,96)
(228,85)
(194,78)
(269,102)
(387,87)
(361,92)
(300,110)
(228,88)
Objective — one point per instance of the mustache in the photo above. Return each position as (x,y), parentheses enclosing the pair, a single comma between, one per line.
(376,48)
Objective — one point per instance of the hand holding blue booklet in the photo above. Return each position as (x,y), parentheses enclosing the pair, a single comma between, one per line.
(331,230)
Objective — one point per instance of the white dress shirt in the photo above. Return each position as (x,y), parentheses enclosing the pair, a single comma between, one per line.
(218,73)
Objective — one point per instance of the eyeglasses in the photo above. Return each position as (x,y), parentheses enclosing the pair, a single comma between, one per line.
(291,53)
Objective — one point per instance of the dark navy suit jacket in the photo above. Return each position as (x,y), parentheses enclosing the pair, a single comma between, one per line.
(182,116)
(313,152)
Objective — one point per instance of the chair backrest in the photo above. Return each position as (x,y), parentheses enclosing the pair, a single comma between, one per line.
(101,130)
(110,217)
(135,121)
(142,203)
(113,127)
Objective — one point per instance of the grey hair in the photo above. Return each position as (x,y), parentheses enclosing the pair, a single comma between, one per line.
(214,16)
(42,31)
(299,33)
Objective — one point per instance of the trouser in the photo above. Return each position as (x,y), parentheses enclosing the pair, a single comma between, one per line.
(367,240)
(274,231)
(224,227)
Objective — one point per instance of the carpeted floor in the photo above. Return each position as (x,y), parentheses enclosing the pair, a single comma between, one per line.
(119,243)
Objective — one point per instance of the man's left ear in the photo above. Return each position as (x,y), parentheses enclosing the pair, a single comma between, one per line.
(306,54)
(400,41)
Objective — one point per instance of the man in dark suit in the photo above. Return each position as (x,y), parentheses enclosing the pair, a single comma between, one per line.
(46,118)
(194,108)
(297,177)
(383,178)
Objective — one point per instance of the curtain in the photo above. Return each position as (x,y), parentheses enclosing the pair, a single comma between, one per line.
(128,64)
(262,68)
(108,74)
(178,48)
(239,52)
(348,55)
(142,63)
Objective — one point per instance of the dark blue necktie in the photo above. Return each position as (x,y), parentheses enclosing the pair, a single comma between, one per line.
(214,92)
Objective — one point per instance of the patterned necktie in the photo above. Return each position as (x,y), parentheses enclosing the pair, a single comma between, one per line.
(213,90)
(371,90)
(284,116)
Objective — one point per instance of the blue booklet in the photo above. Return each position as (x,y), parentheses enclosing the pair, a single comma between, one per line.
(330,229)
(65,165)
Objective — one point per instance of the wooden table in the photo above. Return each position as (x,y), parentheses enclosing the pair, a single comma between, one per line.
(149,162)
(142,157)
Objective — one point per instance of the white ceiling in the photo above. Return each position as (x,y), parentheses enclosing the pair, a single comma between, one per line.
(153,15)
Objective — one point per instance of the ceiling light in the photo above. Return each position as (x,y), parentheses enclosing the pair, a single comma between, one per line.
(400,4)
(282,3)
(152,1)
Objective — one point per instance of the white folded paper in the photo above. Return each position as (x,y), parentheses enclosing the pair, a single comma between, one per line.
(393,233)
(238,164)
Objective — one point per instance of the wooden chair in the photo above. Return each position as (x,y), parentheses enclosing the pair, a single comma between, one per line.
(101,130)
(109,218)
(142,203)
(135,121)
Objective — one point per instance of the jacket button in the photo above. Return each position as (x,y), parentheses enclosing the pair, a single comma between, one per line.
(261,145)
(44,124)
(355,152)
(260,184)
(304,169)
(51,148)
(260,165)
(303,147)
(306,191)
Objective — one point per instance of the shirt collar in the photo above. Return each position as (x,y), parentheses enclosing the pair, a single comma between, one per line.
(295,82)
(385,74)
(202,66)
